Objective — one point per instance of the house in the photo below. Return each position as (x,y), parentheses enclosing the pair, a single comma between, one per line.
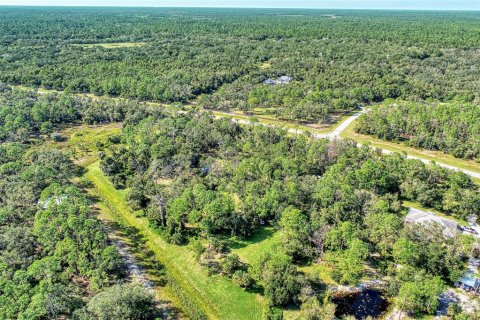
(284,80)
(270,82)
(280,80)
(469,282)
(425,218)
(52,201)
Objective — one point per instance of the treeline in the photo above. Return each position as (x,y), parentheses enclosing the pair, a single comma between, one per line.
(171,69)
(55,258)
(27,113)
(444,29)
(337,59)
(54,253)
(453,128)
(198,177)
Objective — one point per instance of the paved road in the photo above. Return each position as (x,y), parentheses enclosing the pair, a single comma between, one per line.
(443,165)
(338,130)
(335,134)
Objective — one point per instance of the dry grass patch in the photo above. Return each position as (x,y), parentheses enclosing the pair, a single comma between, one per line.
(112,45)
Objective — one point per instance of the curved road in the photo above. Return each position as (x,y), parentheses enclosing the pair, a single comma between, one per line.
(335,134)
(447,166)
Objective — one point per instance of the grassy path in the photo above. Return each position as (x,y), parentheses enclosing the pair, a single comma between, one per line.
(150,273)
(471,168)
(269,120)
(261,118)
(216,296)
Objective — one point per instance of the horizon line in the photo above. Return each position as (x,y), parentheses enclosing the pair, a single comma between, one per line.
(235,7)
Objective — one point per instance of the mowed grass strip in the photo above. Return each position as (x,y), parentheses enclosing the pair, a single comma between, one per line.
(217,296)
(166,300)
(285,124)
(437,156)
(264,240)
(110,45)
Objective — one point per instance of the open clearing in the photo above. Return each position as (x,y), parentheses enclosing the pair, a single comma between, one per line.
(112,45)
(250,250)
(289,125)
(216,296)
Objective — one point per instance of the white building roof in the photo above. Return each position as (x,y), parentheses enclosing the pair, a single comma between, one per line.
(428,218)
(284,79)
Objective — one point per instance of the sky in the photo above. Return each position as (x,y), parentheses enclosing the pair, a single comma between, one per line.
(329,4)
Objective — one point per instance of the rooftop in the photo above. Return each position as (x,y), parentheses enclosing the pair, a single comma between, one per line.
(428,218)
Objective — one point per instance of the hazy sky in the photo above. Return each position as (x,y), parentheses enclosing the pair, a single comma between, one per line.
(377,4)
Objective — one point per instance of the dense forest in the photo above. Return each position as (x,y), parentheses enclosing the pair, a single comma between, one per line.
(56,260)
(319,215)
(337,60)
(54,253)
(451,128)
(25,114)
(199,178)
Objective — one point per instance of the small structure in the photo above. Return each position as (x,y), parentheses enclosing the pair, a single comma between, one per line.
(425,218)
(280,80)
(284,80)
(52,201)
(269,82)
(469,282)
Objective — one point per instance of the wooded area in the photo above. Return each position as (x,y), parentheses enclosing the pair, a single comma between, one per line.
(337,61)
(54,252)
(452,128)
(198,177)
(274,220)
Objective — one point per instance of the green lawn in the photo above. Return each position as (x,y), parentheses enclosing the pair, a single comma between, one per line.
(271,120)
(398,147)
(265,239)
(216,296)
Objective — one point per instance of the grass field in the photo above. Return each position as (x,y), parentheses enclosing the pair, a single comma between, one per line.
(112,45)
(216,296)
(265,239)
(270,120)
(81,142)
(398,147)
(265,66)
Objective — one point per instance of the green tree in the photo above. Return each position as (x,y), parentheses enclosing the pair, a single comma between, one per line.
(279,278)
(295,233)
(122,301)
(351,263)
